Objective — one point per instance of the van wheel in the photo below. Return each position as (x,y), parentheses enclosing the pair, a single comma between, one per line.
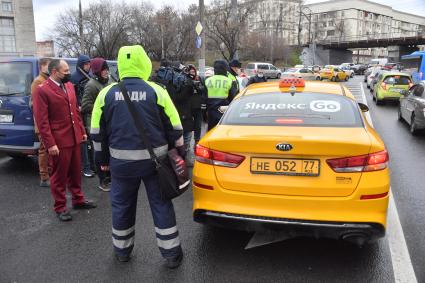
(278,76)
(17,155)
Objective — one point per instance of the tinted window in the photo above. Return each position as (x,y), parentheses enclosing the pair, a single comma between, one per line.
(397,80)
(302,109)
(250,66)
(263,67)
(15,78)
(273,68)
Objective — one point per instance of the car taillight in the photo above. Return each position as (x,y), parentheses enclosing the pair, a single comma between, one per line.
(384,86)
(363,163)
(218,158)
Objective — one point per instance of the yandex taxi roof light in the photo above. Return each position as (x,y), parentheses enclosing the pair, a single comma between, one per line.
(363,163)
(291,82)
(218,158)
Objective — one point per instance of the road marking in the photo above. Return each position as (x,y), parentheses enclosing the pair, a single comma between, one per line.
(400,257)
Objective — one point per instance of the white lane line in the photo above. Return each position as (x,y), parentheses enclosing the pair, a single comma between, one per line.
(400,257)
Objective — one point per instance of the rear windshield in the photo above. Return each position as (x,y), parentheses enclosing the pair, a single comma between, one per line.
(15,78)
(301,110)
(397,80)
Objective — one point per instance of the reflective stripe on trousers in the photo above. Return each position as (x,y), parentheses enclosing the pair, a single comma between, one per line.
(137,154)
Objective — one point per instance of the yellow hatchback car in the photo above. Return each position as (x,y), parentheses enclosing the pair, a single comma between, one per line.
(333,74)
(294,155)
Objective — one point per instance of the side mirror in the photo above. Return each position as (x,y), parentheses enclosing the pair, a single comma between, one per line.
(363,107)
(223,109)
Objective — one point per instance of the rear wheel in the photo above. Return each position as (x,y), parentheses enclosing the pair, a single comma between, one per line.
(399,115)
(346,78)
(17,155)
(413,126)
(278,76)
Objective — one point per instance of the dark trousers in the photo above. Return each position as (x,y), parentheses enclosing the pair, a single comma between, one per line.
(124,191)
(214,117)
(66,174)
(197,124)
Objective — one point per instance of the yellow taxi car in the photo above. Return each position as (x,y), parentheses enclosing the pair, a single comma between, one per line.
(294,155)
(333,74)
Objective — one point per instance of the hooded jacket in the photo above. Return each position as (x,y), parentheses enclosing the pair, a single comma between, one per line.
(116,140)
(92,89)
(78,79)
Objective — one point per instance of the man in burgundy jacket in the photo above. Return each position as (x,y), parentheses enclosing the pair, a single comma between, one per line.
(61,129)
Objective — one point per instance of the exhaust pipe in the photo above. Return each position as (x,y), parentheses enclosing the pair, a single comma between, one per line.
(356,238)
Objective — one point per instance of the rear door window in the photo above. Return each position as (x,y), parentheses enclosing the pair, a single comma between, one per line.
(250,66)
(301,110)
(397,80)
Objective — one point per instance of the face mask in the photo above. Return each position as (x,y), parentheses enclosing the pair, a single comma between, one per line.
(66,78)
(102,80)
(260,75)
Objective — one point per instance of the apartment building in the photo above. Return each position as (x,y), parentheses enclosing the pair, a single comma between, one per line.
(278,18)
(17,31)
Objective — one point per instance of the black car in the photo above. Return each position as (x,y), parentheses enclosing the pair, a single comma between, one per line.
(412,107)
(359,69)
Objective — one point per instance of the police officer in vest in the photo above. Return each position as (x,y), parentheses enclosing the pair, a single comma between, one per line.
(120,149)
(221,90)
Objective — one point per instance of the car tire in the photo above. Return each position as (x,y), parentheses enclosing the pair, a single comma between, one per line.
(346,78)
(413,126)
(399,115)
(278,76)
(17,155)
(333,79)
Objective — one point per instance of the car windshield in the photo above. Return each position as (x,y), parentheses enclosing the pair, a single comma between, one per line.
(301,109)
(15,78)
(397,80)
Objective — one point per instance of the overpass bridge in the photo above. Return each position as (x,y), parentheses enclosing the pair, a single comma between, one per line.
(335,49)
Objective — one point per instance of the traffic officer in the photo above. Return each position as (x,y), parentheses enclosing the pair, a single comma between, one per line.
(120,149)
(221,90)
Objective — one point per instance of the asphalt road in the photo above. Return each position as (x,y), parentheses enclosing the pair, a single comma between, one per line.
(36,247)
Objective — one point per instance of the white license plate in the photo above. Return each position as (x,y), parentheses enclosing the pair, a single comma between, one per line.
(397,90)
(6,118)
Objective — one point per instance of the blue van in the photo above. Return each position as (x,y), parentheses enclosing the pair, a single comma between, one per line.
(17,136)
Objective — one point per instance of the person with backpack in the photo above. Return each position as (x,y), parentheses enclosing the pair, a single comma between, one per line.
(100,79)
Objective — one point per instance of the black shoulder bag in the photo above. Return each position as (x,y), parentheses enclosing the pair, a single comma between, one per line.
(172,171)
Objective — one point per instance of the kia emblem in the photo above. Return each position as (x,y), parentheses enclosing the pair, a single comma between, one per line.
(284,146)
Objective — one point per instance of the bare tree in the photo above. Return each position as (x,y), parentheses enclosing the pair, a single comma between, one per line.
(223,32)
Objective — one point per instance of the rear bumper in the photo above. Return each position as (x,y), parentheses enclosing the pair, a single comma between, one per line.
(319,229)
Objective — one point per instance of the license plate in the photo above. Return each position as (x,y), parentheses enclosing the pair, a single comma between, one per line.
(283,166)
(397,90)
(6,118)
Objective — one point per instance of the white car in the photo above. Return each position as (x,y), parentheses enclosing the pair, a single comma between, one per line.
(372,76)
(304,73)
(268,70)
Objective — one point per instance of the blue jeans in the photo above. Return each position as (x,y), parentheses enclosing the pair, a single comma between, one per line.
(85,162)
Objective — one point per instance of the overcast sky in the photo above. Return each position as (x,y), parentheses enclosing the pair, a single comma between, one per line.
(46,11)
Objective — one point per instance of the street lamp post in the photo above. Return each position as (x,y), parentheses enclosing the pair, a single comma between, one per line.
(201,62)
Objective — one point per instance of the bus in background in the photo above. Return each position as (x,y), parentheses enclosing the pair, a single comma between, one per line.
(414,64)
(17,138)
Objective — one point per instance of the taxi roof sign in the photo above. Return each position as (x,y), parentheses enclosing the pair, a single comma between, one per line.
(291,83)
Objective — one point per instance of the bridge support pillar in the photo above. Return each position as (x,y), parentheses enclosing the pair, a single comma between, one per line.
(395,52)
(317,55)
